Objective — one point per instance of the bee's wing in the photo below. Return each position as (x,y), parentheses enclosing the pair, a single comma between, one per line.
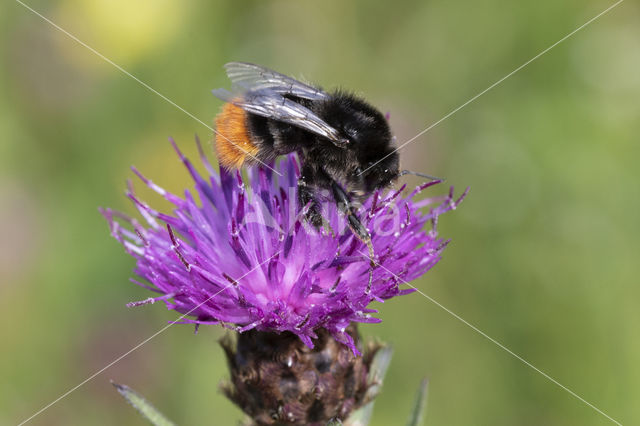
(272,104)
(250,77)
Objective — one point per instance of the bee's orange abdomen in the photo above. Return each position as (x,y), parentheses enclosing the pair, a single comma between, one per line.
(232,141)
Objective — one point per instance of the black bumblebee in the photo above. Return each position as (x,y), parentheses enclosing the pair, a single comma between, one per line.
(340,138)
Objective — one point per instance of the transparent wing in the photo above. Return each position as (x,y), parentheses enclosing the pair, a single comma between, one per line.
(250,77)
(271,104)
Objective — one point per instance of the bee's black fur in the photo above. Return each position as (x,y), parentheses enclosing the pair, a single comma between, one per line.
(364,126)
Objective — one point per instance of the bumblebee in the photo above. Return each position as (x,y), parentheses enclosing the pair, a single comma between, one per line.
(340,138)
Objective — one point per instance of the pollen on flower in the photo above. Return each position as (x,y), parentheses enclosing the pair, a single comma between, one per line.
(237,252)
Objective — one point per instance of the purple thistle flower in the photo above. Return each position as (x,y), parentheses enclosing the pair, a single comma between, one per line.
(244,257)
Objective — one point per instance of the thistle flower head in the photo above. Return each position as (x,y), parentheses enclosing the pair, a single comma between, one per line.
(243,256)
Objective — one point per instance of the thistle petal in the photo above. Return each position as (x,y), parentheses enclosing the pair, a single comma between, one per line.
(243,255)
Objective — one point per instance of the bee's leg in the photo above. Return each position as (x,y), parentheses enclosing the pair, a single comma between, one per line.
(306,195)
(358,228)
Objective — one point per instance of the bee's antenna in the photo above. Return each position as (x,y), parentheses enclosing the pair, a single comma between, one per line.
(409,172)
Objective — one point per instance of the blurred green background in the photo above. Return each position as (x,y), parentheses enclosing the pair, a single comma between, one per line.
(545,249)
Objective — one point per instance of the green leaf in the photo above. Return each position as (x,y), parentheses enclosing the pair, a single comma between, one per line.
(147,410)
(379,366)
(420,404)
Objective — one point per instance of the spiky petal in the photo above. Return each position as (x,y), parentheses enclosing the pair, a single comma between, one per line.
(244,257)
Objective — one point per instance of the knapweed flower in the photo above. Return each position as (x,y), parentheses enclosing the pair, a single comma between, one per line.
(244,257)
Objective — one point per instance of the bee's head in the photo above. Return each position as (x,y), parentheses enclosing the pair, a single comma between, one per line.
(379,173)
